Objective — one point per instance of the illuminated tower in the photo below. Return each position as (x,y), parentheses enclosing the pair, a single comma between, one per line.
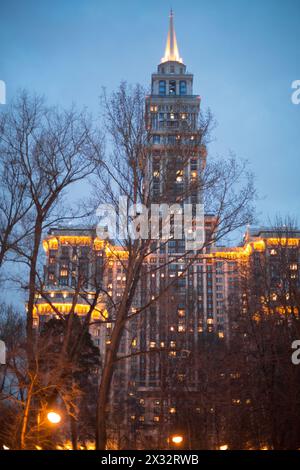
(172,110)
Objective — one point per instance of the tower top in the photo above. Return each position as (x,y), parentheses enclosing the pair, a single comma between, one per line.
(171,52)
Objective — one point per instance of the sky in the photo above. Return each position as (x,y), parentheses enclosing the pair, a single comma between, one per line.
(244,55)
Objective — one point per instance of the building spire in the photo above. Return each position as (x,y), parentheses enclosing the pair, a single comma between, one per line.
(171,52)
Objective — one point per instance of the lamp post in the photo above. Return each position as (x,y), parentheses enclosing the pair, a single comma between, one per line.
(224,447)
(2,363)
(52,417)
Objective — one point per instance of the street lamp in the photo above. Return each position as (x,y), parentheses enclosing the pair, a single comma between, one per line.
(224,447)
(53,417)
(177,439)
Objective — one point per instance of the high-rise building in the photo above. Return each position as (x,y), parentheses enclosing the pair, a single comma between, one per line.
(79,264)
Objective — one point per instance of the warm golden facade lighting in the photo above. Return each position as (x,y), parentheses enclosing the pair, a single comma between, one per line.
(54,242)
(117,253)
(283,241)
(44,308)
(98,244)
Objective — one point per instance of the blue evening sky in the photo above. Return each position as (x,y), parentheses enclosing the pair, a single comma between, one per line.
(244,55)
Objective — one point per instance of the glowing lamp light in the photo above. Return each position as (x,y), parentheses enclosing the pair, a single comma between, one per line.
(53,417)
(177,439)
(224,447)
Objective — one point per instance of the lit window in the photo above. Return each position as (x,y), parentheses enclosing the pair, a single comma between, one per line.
(179,175)
(236,401)
(172,87)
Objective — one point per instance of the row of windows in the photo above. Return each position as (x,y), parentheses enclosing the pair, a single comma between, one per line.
(172,139)
(171,69)
(172,87)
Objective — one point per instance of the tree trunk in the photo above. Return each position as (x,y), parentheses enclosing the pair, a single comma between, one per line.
(26,416)
(32,287)
(74,434)
(106,379)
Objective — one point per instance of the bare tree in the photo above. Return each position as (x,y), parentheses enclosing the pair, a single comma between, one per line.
(265,321)
(48,150)
(127,171)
